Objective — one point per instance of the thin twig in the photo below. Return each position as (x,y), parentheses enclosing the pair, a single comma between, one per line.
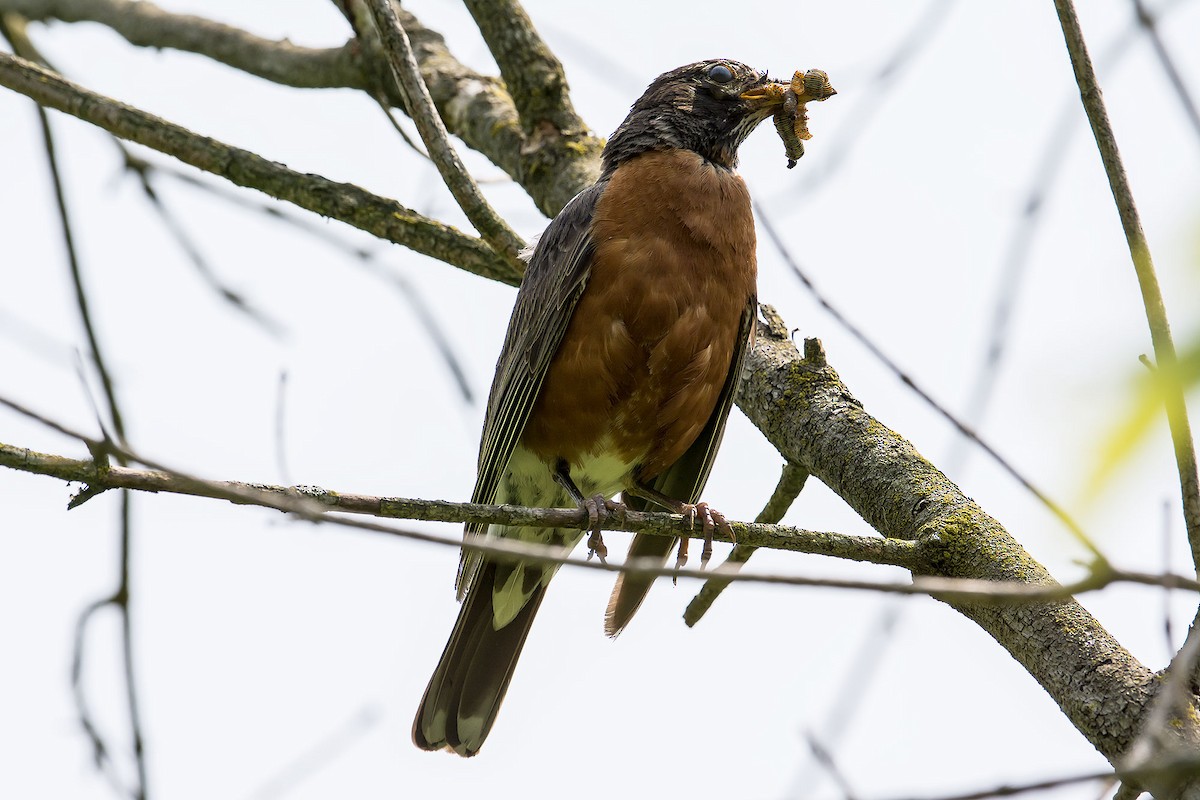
(853,689)
(494,230)
(1045,176)
(1025,788)
(346,202)
(395,123)
(791,482)
(475,107)
(121,599)
(175,227)
(320,754)
(825,758)
(312,504)
(13,29)
(422,308)
(870,102)
(1149,22)
(897,552)
(1143,265)
(1057,510)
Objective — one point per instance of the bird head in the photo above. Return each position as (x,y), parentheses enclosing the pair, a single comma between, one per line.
(709,107)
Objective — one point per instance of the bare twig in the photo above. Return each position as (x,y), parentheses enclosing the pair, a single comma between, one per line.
(144,171)
(1139,250)
(825,758)
(1057,510)
(320,755)
(346,202)
(1045,175)
(870,102)
(395,123)
(1149,23)
(421,308)
(791,482)
(552,167)
(13,29)
(853,690)
(1025,788)
(175,227)
(809,414)
(99,479)
(491,226)
(312,504)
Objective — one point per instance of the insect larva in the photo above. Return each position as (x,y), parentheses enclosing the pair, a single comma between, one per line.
(791,118)
(786,119)
(815,84)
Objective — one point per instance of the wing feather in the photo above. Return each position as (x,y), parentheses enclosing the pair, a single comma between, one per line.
(557,274)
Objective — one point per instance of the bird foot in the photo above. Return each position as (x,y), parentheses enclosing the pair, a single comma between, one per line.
(599,510)
(710,521)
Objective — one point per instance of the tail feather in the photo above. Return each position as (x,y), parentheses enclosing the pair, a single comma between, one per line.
(472,677)
(630,590)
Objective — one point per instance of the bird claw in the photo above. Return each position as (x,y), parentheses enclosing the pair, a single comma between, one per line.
(599,510)
(710,521)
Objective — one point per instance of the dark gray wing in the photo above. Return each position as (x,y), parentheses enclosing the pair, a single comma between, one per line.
(555,278)
(684,480)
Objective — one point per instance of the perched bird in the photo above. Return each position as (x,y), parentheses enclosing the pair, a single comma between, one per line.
(618,370)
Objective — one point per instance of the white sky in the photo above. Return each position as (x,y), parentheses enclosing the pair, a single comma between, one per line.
(261,641)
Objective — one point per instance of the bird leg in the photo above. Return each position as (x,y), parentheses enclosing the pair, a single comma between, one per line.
(710,520)
(598,507)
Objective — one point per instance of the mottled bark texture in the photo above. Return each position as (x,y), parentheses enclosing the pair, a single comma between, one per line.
(805,410)
(551,161)
(798,402)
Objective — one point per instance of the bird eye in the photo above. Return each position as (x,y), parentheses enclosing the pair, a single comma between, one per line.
(721,73)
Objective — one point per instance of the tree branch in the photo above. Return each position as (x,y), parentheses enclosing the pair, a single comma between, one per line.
(1143,265)
(313,503)
(462,186)
(99,478)
(12,27)
(552,165)
(791,482)
(345,202)
(533,74)
(805,410)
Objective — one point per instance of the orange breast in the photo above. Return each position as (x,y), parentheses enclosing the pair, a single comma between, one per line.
(646,353)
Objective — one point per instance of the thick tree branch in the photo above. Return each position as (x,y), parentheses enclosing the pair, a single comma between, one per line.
(346,202)
(552,164)
(146,25)
(805,410)
(533,74)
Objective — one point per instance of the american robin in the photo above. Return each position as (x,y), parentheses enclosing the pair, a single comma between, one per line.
(618,370)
